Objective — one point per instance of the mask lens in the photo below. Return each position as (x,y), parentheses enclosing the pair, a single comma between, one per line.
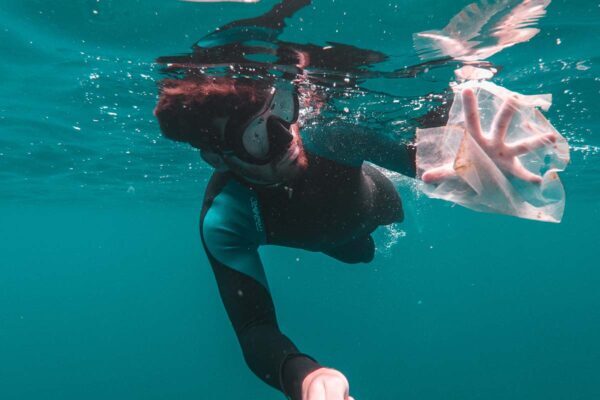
(280,136)
(285,106)
(268,134)
(255,139)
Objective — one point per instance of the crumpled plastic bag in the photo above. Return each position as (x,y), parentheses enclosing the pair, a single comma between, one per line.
(479,183)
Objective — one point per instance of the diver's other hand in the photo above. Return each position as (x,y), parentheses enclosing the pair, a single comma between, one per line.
(325,384)
(504,155)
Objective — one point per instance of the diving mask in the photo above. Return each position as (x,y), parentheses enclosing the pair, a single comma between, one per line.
(265,135)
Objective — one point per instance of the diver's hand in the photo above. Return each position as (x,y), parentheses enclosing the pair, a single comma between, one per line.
(325,384)
(504,155)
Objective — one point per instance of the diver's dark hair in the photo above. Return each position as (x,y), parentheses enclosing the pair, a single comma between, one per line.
(187,107)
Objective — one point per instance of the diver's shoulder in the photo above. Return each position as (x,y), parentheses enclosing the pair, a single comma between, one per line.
(232,208)
(224,192)
(217,182)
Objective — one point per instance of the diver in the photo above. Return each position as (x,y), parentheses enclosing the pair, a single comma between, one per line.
(268,189)
(272,187)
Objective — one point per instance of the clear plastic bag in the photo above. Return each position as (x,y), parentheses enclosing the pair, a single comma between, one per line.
(478,181)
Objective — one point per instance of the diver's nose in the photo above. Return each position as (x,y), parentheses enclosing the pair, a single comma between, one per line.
(279,133)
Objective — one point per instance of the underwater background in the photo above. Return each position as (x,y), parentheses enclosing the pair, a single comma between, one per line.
(105,291)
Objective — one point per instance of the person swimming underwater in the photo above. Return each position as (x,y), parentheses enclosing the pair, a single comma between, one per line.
(271,186)
(268,189)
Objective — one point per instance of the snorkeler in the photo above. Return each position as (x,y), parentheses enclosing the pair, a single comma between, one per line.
(269,187)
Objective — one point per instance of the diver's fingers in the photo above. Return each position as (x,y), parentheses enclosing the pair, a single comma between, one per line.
(336,391)
(472,115)
(523,173)
(502,120)
(438,174)
(527,145)
(316,391)
(350,398)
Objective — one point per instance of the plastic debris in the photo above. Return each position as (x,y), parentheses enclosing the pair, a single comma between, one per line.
(522,182)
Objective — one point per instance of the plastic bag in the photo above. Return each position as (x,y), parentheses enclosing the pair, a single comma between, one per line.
(480,183)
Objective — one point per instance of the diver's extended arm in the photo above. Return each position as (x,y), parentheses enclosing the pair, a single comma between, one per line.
(268,352)
(350,144)
(398,155)
(231,236)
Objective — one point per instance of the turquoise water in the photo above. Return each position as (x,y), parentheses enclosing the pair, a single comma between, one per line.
(104,288)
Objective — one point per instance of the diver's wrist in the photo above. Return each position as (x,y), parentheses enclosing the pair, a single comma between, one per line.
(294,368)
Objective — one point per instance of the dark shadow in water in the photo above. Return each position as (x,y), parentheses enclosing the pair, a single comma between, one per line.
(335,73)
(252,45)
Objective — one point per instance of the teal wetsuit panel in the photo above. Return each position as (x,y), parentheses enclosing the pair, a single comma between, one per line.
(233,229)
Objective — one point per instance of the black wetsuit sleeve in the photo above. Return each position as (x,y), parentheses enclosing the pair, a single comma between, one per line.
(229,236)
(349,144)
(398,156)
(352,144)
(268,352)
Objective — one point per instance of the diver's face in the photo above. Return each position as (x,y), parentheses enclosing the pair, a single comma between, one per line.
(264,148)
(286,165)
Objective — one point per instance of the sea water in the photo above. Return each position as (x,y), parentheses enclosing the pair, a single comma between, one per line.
(105,292)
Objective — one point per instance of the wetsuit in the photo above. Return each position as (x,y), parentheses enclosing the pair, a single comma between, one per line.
(332,208)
